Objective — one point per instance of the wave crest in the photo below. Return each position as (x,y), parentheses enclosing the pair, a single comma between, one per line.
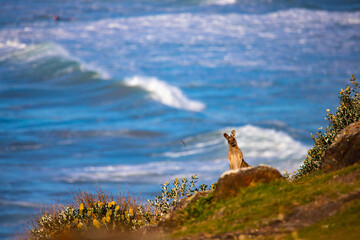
(165,93)
(204,155)
(147,173)
(31,56)
(259,145)
(219,2)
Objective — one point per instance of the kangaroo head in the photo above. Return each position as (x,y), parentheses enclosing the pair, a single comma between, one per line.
(231,139)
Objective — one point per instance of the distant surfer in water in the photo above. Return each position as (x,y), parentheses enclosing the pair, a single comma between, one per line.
(56,18)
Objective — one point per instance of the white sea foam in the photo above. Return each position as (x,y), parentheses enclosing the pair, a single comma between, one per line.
(259,145)
(183,153)
(21,204)
(268,143)
(219,2)
(205,155)
(12,44)
(187,29)
(148,173)
(165,93)
(251,30)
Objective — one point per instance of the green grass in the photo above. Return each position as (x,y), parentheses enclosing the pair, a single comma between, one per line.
(261,204)
(252,208)
(343,225)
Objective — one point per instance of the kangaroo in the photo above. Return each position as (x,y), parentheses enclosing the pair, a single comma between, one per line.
(235,155)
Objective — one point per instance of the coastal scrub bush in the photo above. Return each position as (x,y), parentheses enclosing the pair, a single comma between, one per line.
(89,212)
(103,212)
(347,112)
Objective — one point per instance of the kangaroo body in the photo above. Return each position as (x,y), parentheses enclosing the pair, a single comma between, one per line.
(236,158)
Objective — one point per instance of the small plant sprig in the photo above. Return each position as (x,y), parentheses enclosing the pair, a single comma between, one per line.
(347,112)
(290,176)
(171,197)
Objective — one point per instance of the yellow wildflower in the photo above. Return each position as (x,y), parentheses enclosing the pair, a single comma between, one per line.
(108,214)
(81,209)
(79,225)
(103,220)
(328,110)
(131,212)
(123,217)
(76,220)
(100,204)
(117,208)
(89,212)
(96,223)
(108,219)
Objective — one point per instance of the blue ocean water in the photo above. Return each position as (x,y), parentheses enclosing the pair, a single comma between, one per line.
(110,93)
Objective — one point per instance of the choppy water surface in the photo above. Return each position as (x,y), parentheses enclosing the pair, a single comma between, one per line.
(109,97)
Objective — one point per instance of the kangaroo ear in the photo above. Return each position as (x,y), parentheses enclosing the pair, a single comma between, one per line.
(226,135)
(233,133)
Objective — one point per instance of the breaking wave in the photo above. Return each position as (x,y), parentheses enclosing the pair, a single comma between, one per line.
(165,93)
(204,155)
(255,142)
(219,2)
(50,53)
(148,173)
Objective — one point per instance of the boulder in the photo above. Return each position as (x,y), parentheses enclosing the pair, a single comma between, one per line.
(344,151)
(231,181)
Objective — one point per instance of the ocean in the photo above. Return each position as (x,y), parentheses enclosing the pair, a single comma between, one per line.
(130,94)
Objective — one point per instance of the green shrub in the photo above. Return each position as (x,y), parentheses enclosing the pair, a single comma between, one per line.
(103,212)
(171,197)
(347,112)
(89,212)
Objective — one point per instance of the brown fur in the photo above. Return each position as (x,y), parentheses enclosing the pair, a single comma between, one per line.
(235,155)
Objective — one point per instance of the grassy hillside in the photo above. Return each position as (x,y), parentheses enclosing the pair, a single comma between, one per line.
(317,206)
